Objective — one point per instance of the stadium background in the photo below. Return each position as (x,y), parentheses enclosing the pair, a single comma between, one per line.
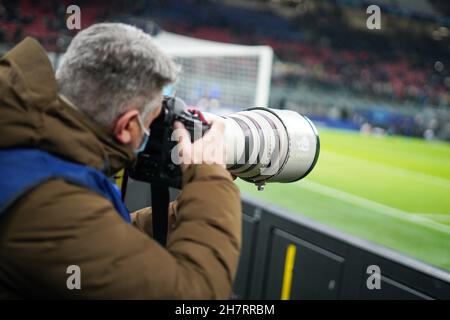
(381,98)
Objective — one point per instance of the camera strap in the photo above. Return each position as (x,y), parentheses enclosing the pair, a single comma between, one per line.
(160,212)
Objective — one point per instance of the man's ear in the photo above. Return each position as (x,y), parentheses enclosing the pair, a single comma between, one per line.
(124,128)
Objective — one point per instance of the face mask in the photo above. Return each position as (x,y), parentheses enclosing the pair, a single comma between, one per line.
(145,138)
(169,90)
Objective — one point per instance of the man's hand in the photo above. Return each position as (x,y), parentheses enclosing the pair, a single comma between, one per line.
(142,219)
(210,149)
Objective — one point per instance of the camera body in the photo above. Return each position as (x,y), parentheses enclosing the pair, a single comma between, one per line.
(154,164)
(261,145)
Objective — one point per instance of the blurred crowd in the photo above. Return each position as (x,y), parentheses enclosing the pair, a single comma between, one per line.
(320,46)
(46,20)
(315,47)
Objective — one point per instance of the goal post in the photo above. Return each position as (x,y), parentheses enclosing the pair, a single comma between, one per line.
(222,75)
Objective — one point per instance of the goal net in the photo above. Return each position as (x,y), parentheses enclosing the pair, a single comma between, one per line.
(219,77)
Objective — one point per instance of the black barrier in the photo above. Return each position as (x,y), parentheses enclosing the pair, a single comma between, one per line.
(288,256)
(285,255)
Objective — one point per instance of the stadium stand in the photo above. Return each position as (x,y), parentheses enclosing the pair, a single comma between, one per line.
(335,55)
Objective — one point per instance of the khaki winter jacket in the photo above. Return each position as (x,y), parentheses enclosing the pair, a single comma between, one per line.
(59,224)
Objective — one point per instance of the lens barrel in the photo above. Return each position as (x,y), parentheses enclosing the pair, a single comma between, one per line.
(270,145)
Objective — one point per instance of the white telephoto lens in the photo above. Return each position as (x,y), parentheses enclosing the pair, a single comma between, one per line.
(270,145)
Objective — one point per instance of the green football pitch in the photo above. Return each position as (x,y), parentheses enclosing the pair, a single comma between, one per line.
(393,191)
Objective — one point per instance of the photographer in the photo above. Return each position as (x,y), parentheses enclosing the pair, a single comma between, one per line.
(59,139)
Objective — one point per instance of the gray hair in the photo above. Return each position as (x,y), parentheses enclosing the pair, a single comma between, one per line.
(110,67)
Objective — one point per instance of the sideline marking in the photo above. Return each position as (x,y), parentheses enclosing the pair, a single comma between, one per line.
(375,206)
